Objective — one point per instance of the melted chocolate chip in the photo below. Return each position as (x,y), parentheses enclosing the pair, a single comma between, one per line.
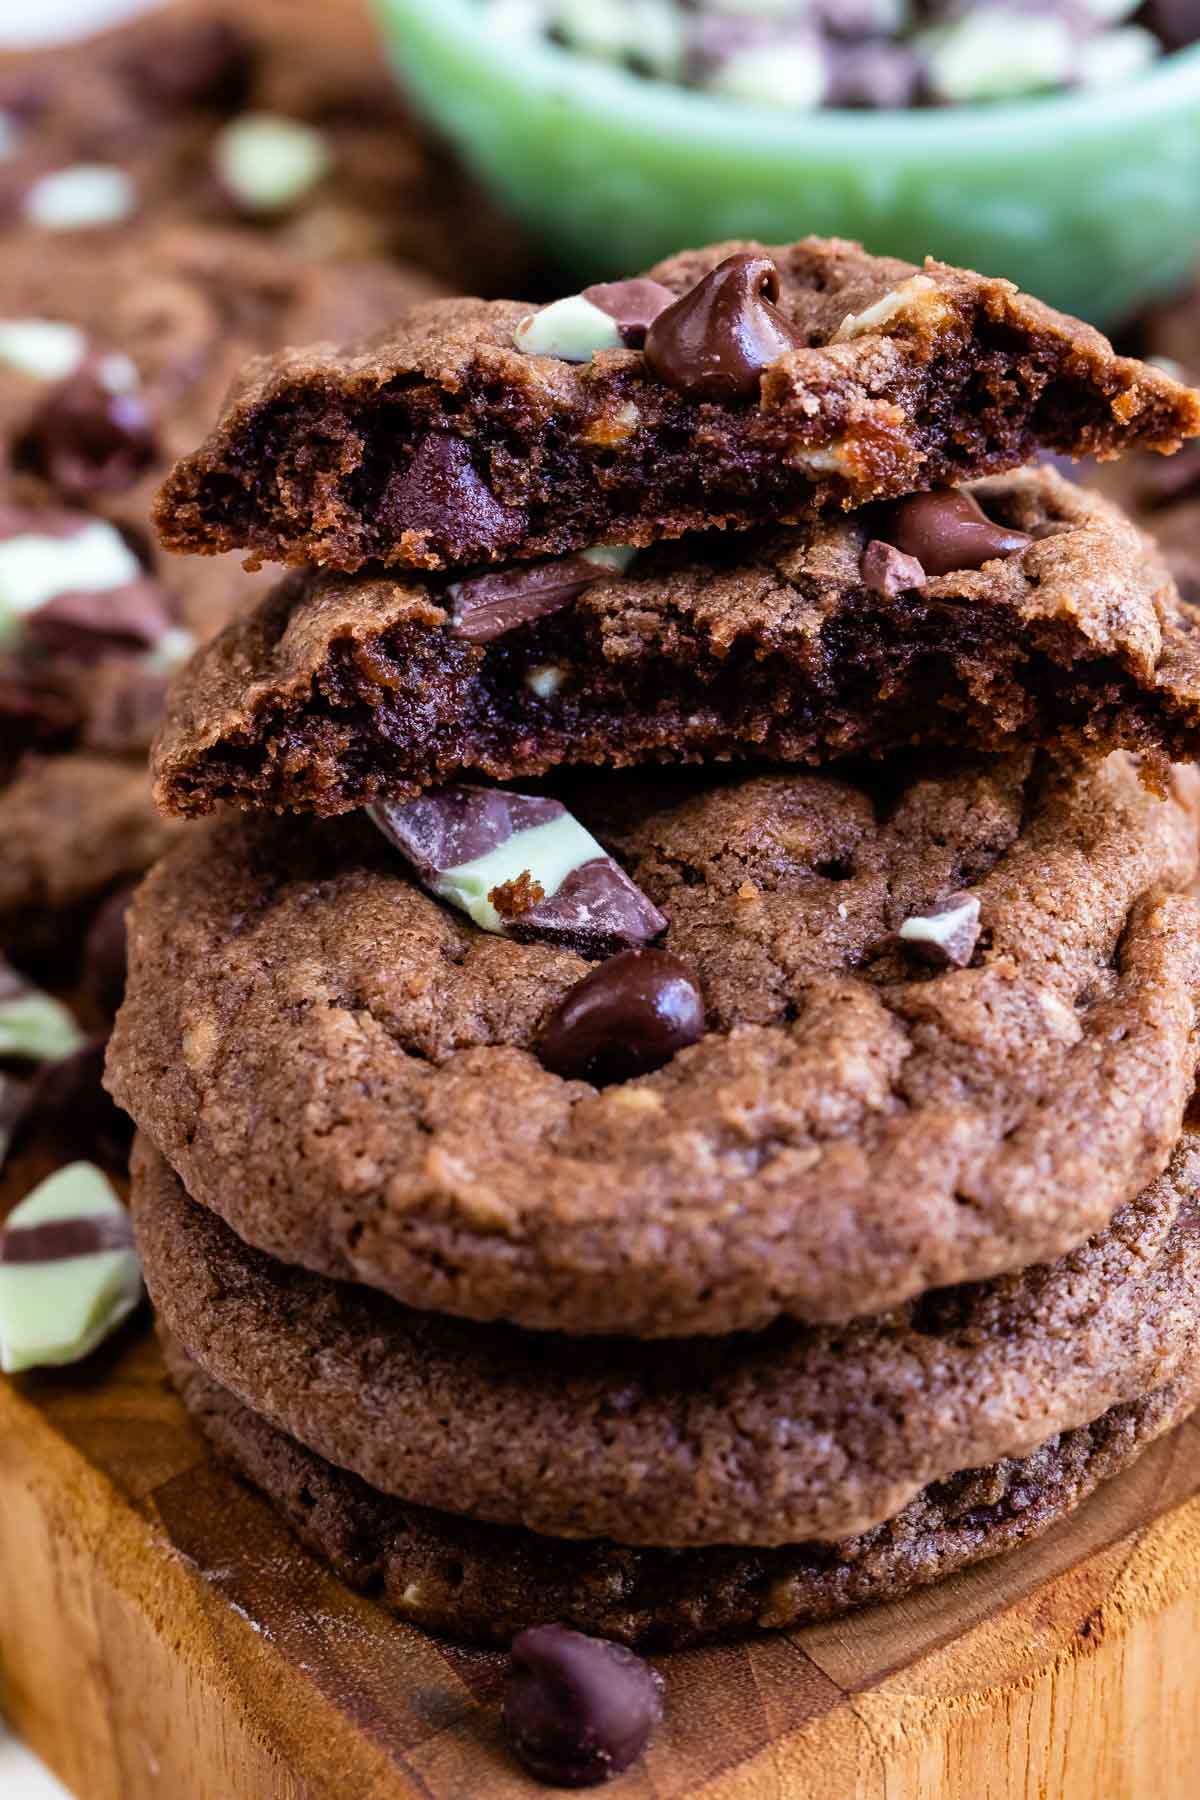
(888,571)
(442,495)
(86,626)
(578,1710)
(489,606)
(86,439)
(715,342)
(947,530)
(634,305)
(630,1015)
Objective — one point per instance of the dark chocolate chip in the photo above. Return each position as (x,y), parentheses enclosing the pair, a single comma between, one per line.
(191,62)
(944,937)
(888,571)
(947,530)
(105,952)
(489,606)
(578,1710)
(13,984)
(715,342)
(1176,23)
(441,495)
(634,305)
(69,1109)
(83,627)
(630,1015)
(86,439)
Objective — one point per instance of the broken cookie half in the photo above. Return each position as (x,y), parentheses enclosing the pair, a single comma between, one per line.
(1055,624)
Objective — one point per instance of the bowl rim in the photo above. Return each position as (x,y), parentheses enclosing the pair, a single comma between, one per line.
(603,89)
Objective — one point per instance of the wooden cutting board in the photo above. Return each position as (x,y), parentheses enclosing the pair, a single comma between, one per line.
(162,1637)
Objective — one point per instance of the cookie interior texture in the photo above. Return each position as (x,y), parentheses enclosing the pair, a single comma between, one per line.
(798,1433)
(344,1068)
(485,1583)
(440,444)
(340,688)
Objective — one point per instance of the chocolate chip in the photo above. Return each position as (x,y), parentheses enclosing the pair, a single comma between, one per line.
(947,530)
(578,1710)
(14,1097)
(68,1108)
(630,1015)
(83,627)
(633,304)
(888,571)
(442,496)
(944,937)
(489,606)
(105,952)
(1176,23)
(191,62)
(88,439)
(715,342)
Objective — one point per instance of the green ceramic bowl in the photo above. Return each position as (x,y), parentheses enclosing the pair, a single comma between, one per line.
(1090,200)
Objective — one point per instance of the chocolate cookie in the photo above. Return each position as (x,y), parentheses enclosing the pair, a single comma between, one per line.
(278,113)
(772,385)
(796,645)
(72,828)
(487,1582)
(798,1433)
(113,357)
(353,1074)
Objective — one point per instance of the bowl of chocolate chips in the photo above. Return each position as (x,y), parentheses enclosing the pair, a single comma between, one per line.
(1057,141)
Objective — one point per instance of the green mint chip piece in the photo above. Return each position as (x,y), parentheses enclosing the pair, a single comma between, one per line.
(270,163)
(34,1027)
(69,1273)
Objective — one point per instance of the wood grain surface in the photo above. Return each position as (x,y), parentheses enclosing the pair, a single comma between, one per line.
(162,1635)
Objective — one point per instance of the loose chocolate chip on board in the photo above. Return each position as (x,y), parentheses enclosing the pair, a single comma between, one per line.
(634,305)
(627,1017)
(947,530)
(578,1710)
(488,606)
(716,340)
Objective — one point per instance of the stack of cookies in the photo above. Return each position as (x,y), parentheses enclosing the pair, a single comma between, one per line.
(664,1086)
(200,184)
